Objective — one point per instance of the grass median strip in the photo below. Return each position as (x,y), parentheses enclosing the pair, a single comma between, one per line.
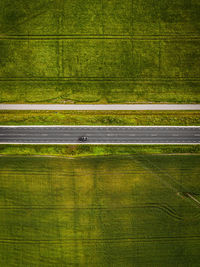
(134,118)
(95,150)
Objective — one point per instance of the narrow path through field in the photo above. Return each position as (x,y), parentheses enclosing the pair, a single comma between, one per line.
(193,198)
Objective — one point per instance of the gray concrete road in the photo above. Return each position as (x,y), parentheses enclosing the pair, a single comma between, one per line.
(99,134)
(100,107)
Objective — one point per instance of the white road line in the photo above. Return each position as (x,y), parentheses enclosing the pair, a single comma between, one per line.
(95,126)
(5,143)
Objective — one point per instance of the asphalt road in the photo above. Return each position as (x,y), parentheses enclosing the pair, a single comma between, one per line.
(100,107)
(99,135)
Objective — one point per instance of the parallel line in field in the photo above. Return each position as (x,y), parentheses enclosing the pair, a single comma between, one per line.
(98,79)
(99,36)
(125,239)
(144,205)
(165,208)
(66,173)
(19,173)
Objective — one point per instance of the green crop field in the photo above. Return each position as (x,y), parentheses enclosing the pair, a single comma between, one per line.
(139,210)
(92,51)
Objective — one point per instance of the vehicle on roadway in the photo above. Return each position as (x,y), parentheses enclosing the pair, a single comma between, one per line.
(83,139)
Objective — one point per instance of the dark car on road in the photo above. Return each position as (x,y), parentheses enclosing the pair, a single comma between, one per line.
(83,139)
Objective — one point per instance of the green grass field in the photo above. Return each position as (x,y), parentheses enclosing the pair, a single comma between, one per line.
(99,51)
(21,117)
(100,211)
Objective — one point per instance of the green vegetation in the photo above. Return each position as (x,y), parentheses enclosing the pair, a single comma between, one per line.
(99,51)
(95,150)
(101,211)
(20,117)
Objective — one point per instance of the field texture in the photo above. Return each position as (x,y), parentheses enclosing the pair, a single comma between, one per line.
(20,117)
(91,51)
(100,211)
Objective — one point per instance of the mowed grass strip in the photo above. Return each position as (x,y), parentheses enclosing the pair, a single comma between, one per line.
(96,150)
(99,211)
(99,51)
(134,118)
